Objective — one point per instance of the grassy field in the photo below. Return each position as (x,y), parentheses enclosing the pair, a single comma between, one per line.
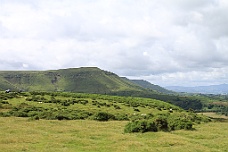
(71,133)
(19,134)
(214,115)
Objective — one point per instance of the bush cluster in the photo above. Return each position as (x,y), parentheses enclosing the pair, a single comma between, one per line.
(67,102)
(158,123)
(140,126)
(36,113)
(164,122)
(103,116)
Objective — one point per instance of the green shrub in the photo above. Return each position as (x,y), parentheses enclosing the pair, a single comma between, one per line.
(136,126)
(117,107)
(33,113)
(28,99)
(66,103)
(34,118)
(20,114)
(121,117)
(83,115)
(4,114)
(145,126)
(4,102)
(49,115)
(179,123)
(151,126)
(62,117)
(140,126)
(161,123)
(136,109)
(103,116)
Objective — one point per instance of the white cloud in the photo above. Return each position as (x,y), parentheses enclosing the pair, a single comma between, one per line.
(171,42)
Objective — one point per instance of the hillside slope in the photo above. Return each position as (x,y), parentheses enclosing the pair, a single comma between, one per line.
(148,85)
(86,79)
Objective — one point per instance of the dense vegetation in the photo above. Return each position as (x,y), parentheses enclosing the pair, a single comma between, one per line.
(143,114)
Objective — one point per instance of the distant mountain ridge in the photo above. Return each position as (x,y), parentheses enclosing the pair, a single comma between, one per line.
(212,89)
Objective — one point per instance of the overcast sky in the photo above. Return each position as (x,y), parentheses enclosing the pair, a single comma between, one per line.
(167,42)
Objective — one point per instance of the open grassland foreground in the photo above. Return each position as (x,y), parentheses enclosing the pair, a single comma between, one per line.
(61,121)
(19,134)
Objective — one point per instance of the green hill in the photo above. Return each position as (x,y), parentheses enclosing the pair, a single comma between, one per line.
(86,79)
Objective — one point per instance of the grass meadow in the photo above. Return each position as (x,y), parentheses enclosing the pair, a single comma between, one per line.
(20,134)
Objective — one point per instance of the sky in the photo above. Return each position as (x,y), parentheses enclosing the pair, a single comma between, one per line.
(166,42)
